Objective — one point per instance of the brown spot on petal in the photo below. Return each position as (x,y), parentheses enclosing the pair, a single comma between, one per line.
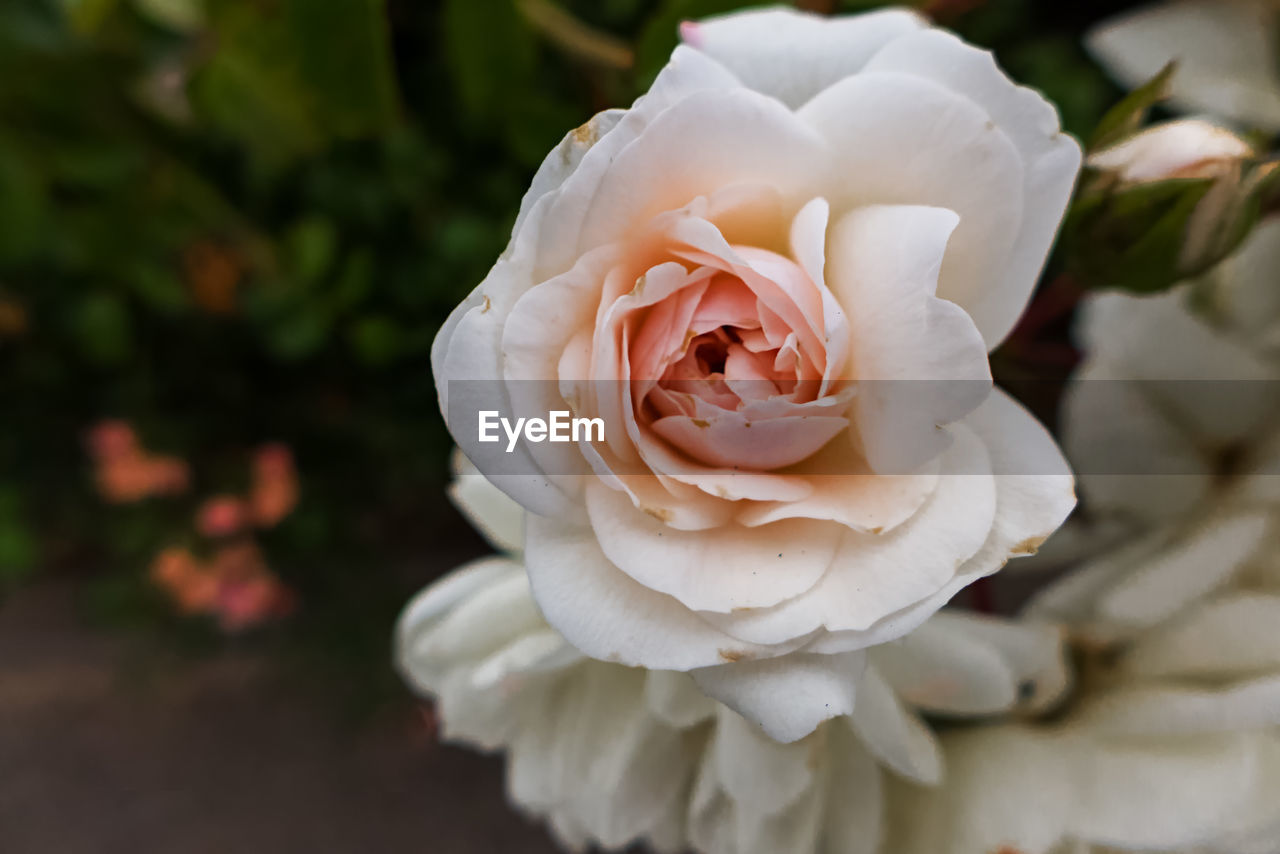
(734,655)
(662,514)
(1029,546)
(878,529)
(585,134)
(488,304)
(700,422)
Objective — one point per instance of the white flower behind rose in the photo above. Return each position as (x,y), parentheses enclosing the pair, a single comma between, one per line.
(1171,740)
(610,755)
(1228,64)
(776,278)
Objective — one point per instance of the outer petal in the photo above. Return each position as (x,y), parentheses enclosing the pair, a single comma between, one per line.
(940,669)
(893,733)
(1051,161)
(794,55)
(788,696)
(875,575)
(1033,496)
(855,799)
(707,141)
(719,569)
(489,509)
(1225,51)
(903,139)
(919,360)
(607,615)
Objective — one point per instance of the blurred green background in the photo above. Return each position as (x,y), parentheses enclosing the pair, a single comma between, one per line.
(237,222)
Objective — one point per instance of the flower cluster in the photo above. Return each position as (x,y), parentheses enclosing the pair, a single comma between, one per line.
(234,585)
(125,471)
(722,629)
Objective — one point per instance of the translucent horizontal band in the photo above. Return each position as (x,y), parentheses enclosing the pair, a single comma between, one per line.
(1113,427)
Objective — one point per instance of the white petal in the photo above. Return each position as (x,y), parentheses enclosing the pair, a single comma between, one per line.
(1184,571)
(1172,355)
(788,696)
(893,733)
(674,698)
(794,55)
(1050,159)
(563,160)
(939,669)
(905,140)
(1034,651)
(1170,795)
(1155,711)
(1133,460)
(609,616)
(761,775)
(489,509)
(919,360)
(719,569)
(703,143)
(1008,787)
(484,622)
(468,378)
(423,615)
(1232,635)
(1225,53)
(560,229)
(874,576)
(855,797)
(1029,507)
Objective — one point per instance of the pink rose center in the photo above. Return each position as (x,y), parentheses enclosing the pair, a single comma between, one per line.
(732,366)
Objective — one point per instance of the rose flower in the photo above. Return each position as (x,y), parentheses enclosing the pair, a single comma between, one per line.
(775,279)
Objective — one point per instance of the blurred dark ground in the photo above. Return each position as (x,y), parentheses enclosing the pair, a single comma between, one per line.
(228,232)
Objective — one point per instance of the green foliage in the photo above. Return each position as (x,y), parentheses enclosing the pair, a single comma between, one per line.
(1132,238)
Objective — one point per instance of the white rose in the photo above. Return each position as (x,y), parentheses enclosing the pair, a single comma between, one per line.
(775,278)
(610,755)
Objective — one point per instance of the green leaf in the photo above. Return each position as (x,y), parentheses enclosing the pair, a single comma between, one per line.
(1127,116)
(1132,238)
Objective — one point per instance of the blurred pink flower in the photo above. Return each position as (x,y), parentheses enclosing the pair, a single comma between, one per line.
(111,439)
(222,516)
(235,585)
(275,484)
(251,602)
(192,587)
(125,471)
